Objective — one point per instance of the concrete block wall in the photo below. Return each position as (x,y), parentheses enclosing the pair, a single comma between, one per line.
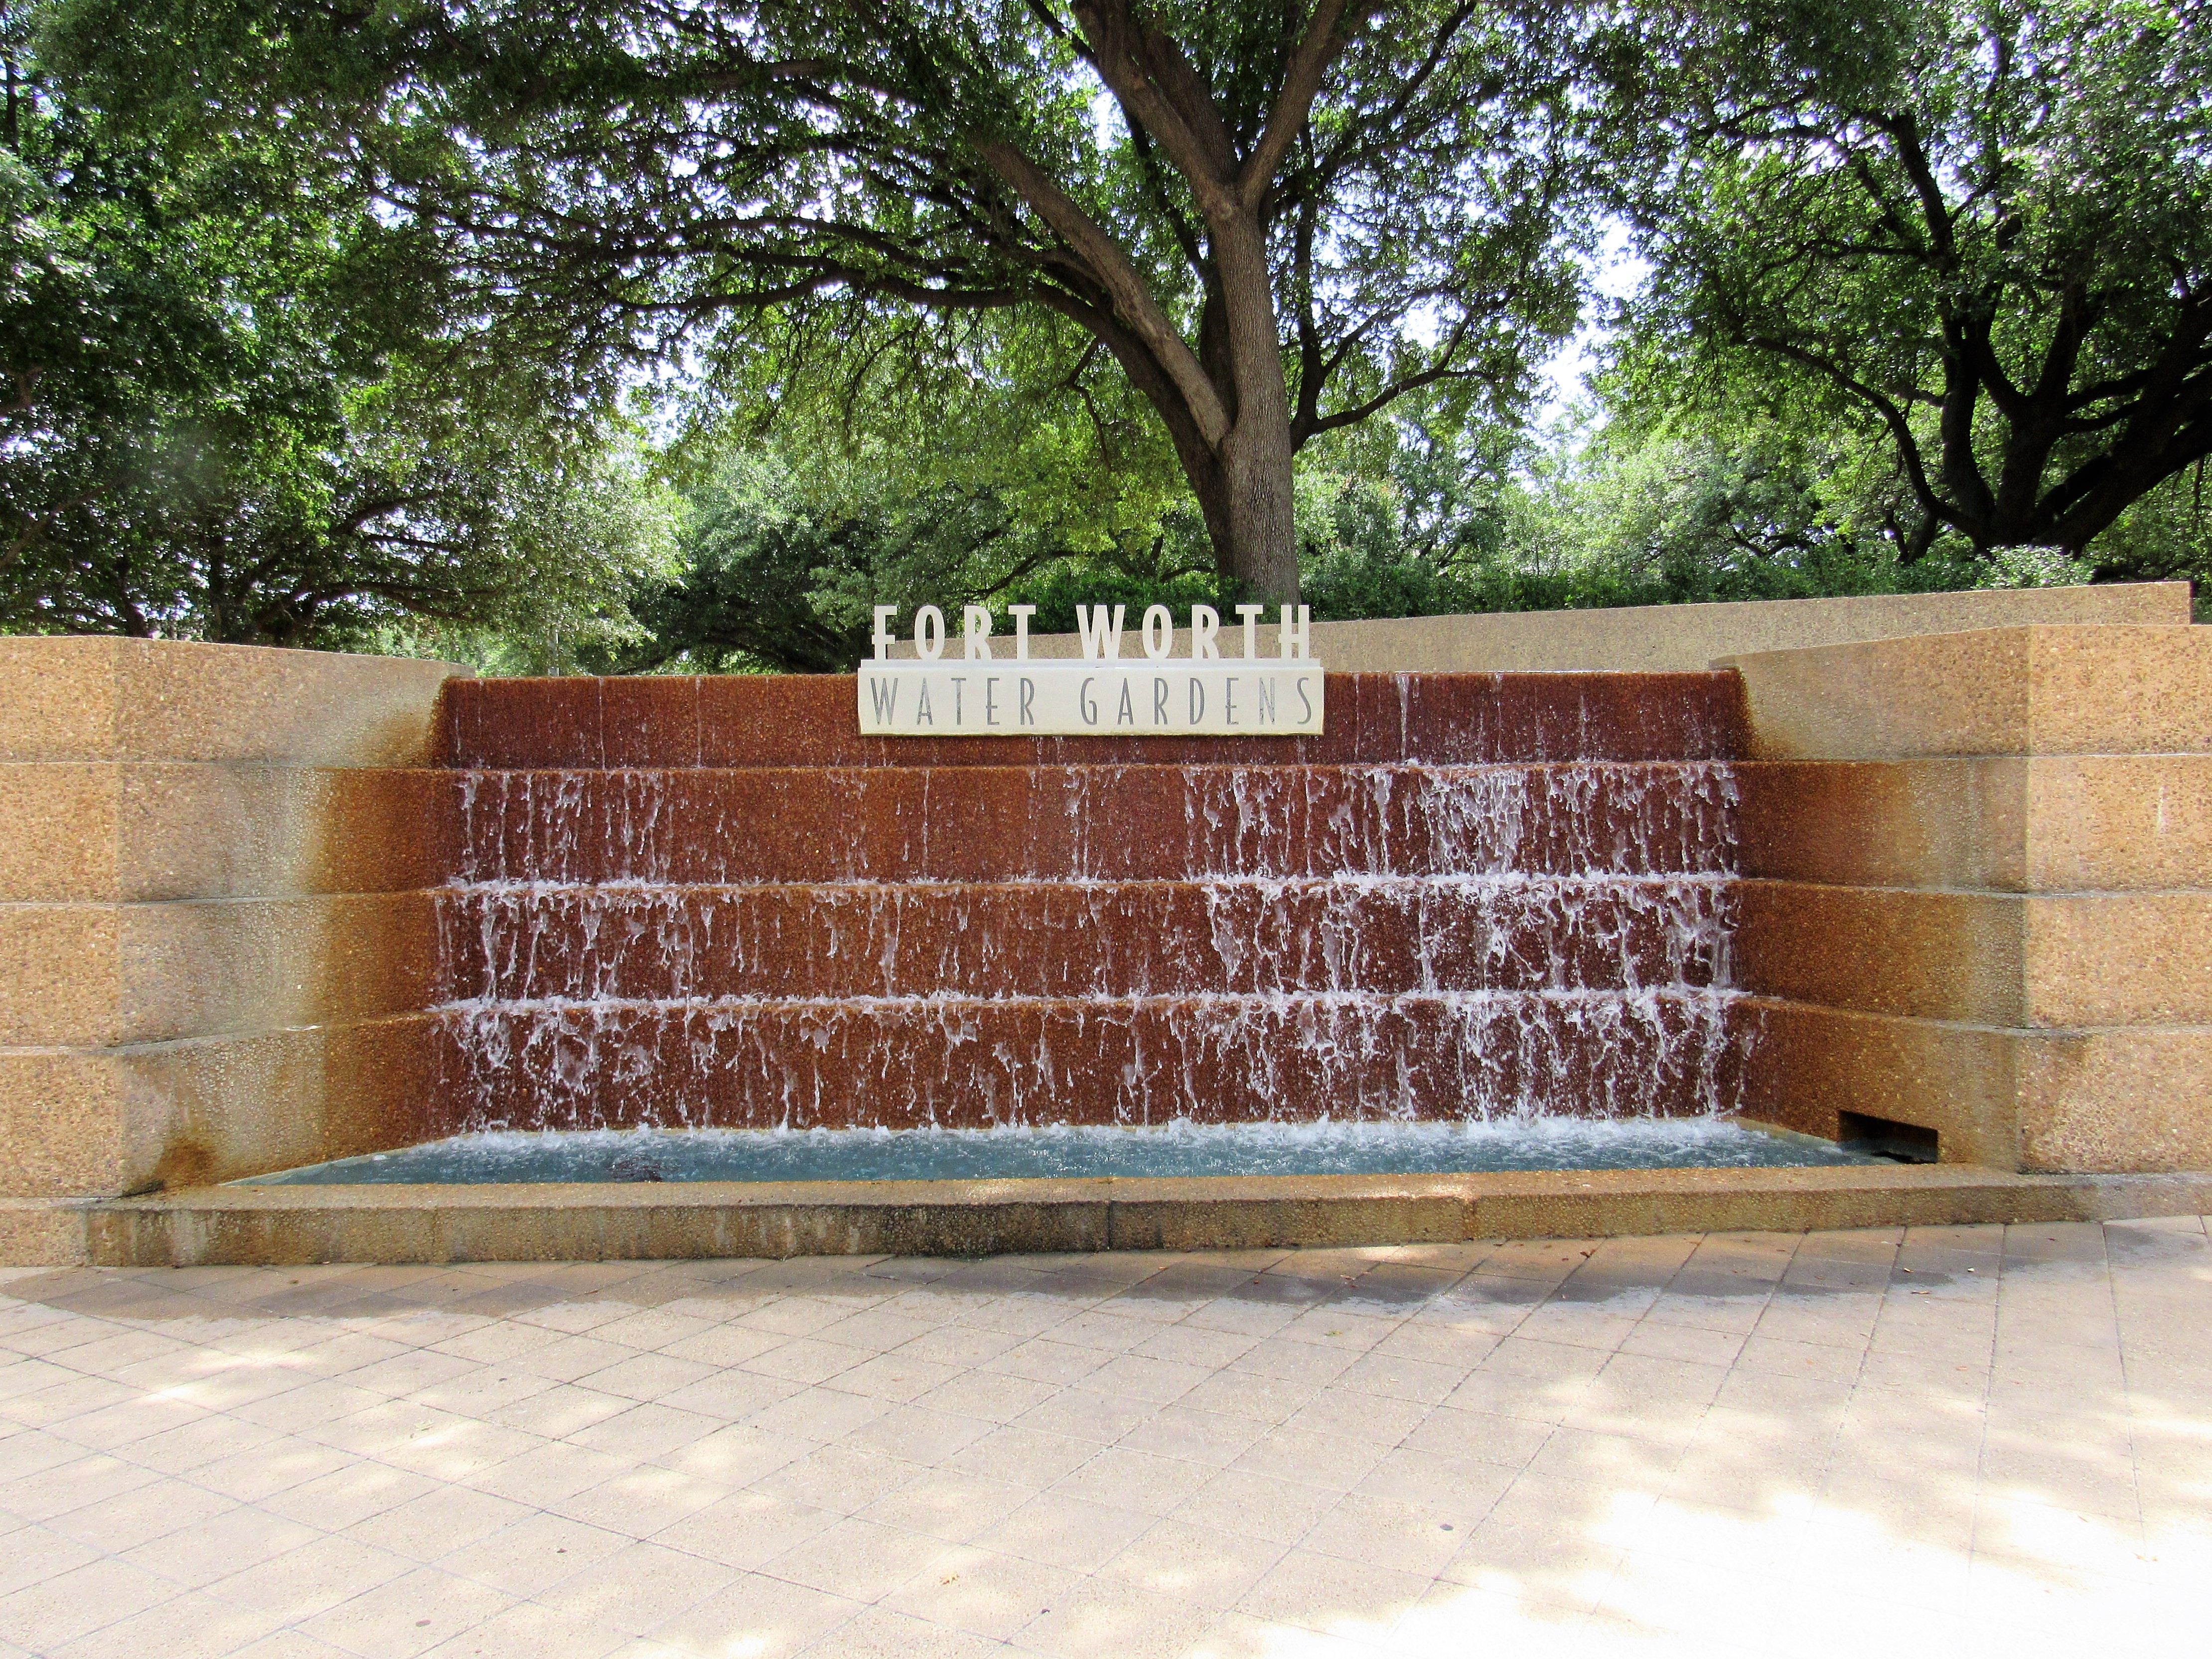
(1980,891)
(216,935)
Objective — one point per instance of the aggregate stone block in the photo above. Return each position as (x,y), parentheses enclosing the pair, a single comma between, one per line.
(99,699)
(2118,822)
(65,1118)
(1937,955)
(59,832)
(2033,961)
(2110,690)
(1658,638)
(2113,959)
(220,1108)
(2119,1099)
(1806,1064)
(43,1233)
(489,1231)
(99,975)
(2041,824)
(2135,1098)
(93,1122)
(61,975)
(104,832)
(1924,823)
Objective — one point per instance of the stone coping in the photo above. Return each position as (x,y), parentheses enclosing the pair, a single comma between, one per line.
(630,1221)
(1659,638)
(92,698)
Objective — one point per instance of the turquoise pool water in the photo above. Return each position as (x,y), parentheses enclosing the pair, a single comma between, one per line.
(1066,1150)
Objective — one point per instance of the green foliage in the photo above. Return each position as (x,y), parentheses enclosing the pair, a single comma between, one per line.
(1271,243)
(785,553)
(1980,230)
(794,533)
(315,325)
(1023,406)
(998,460)
(779,575)
(240,409)
(1415,514)
(782,563)
(1724,513)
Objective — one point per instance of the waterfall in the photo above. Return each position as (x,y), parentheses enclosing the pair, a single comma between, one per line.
(1225,933)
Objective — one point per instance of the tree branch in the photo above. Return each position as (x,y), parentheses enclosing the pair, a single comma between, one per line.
(1327,33)
(1441,370)
(1157,88)
(1133,301)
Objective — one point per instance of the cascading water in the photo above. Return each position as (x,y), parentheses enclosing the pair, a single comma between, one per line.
(1442,911)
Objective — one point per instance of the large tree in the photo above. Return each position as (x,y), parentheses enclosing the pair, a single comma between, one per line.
(1277,218)
(1985,226)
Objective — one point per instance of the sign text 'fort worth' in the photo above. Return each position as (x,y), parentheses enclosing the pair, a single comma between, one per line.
(1176,681)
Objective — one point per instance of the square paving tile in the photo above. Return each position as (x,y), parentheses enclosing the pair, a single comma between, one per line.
(1909,1443)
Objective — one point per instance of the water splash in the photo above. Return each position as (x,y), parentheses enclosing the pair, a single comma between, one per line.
(1125,945)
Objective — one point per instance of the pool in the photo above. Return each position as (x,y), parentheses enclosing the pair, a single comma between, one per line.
(1066,1151)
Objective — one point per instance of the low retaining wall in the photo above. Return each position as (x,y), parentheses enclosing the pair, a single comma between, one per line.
(216,935)
(1668,638)
(651,1221)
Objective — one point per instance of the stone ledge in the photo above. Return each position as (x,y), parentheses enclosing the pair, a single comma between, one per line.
(91,1122)
(292,1225)
(2037,824)
(74,698)
(96,976)
(150,831)
(2044,961)
(2039,689)
(44,1232)
(1658,638)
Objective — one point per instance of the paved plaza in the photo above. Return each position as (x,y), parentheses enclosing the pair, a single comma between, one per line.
(1944,1441)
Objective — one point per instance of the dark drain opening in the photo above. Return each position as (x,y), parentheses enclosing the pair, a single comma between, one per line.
(1881,1137)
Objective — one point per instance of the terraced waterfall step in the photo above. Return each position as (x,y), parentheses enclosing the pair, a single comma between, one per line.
(580,943)
(808,719)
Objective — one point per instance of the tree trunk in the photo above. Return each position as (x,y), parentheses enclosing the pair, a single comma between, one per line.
(1243,486)
(1262,541)
(1243,481)
(1225,401)
(1257,453)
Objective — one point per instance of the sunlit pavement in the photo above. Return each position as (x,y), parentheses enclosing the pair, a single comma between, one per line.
(1951,1442)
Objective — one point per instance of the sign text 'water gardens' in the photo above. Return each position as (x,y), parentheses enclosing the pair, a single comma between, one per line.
(1176,682)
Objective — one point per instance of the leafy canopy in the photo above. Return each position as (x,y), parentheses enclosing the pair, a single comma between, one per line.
(1276,219)
(239,406)
(1984,225)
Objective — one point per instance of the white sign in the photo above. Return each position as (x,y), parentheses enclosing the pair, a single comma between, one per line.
(1074,698)
(1201,693)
